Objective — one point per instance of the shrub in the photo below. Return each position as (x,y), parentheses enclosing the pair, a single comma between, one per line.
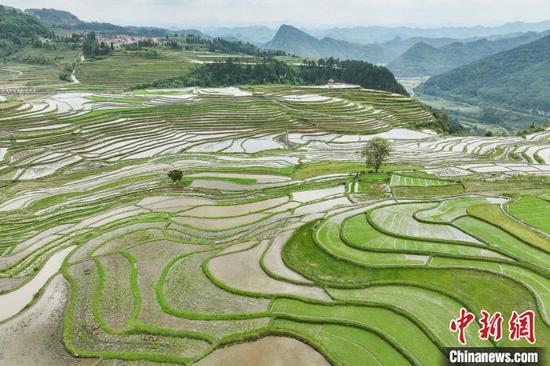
(175,175)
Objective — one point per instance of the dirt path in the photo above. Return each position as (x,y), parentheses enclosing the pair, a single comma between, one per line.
(74,80)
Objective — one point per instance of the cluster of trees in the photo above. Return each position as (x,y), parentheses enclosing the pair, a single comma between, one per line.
(92,48)
(74,41)
(533,128)
(66,72)
(140,44)
(218,45)
(176,42)
(175,175)
(233,71)
(7,48)
(225,46)
(36,60)
(269,70)
(349,71)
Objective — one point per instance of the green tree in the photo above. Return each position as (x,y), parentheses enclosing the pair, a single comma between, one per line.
(175,175)
(375,152)
(92,48)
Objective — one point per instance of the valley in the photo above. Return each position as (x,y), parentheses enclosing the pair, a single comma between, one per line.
(440,60)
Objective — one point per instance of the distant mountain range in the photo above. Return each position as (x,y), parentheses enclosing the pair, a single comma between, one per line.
(518,79)
(66,20)
(253,34)
(294,41)
(426,60)
(380,34)
(297,42)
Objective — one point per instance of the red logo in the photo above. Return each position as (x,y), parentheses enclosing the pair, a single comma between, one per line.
(519,326)
(461,324)
(522,326)
(491,326)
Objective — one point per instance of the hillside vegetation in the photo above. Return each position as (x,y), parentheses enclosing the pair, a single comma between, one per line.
(18,29)
(66,20)
(518,79)
(267,70)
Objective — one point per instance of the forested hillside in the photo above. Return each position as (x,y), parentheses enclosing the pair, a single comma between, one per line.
(66,20)
(267,70)
(55,17)
(18,29)
(361,73)
(518,79)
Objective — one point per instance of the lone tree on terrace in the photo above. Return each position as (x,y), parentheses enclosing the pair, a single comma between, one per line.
(175,175)
(375,152)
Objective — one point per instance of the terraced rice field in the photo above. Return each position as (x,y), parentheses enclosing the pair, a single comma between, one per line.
(398,180)
(129,68)
(531,210)
(261,254)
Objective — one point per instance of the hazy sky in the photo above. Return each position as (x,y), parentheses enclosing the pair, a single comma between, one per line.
(182,13)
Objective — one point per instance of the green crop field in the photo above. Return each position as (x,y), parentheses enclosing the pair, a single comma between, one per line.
(36,67)
(403,180)
(128,68)
(531,210)
(275,241)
